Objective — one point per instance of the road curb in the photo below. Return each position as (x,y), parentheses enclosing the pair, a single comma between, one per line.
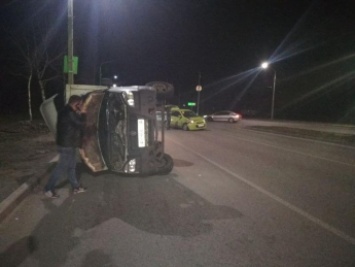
(11,202)
(15,198)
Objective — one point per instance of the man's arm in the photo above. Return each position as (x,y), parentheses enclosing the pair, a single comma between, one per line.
(77,119)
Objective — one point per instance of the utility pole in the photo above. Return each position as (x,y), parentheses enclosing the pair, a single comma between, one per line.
(265,65)
(70,43)
(273,96)
(198,90)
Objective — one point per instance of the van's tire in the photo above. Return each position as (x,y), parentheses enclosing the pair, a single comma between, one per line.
(164,90)
(185,127)
(165,165)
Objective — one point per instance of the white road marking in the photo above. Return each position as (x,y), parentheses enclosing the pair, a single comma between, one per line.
(283,202)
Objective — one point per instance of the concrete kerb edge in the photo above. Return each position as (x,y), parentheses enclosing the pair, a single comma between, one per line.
(9,204)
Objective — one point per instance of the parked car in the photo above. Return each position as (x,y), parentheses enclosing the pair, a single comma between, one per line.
(121,131)
(186,119)
(224,115)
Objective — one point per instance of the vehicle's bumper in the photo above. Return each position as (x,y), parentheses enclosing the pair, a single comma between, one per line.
(197,126)
(145,159)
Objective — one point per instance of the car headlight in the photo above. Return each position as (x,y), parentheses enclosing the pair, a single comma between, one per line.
(129,97)
(131,102)
(131,166)
(191,121)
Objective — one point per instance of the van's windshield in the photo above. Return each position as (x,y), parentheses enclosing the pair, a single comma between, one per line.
(116,121)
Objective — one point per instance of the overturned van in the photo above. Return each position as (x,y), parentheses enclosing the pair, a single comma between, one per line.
(121,132)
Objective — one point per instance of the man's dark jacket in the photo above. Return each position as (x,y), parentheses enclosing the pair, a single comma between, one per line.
(69,128)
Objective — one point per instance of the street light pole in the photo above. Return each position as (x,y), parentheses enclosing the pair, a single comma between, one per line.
(265,65)
(273,95)
(198,89)
(70,43)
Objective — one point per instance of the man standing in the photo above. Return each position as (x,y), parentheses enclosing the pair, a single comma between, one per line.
(68,138)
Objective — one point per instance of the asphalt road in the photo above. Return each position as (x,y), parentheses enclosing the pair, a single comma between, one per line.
(236,197)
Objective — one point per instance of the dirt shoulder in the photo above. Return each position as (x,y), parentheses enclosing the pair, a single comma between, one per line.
(25,150)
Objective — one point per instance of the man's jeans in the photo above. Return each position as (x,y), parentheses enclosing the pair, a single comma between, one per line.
(66,165)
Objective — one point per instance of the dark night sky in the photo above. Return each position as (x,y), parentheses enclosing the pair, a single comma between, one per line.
(310,44)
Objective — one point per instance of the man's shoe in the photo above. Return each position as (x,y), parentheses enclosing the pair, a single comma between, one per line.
(79,190)
(51,194)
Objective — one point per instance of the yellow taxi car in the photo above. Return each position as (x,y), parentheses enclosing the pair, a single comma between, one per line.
(186,119)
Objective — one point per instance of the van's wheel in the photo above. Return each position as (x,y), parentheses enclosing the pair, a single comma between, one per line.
(164,90)
(165,164)
(185,127)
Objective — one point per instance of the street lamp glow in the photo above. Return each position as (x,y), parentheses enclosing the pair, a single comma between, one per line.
(265,65)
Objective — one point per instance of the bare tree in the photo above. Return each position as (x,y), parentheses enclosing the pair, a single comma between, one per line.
(37,57)
(24,65)
(46,61)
